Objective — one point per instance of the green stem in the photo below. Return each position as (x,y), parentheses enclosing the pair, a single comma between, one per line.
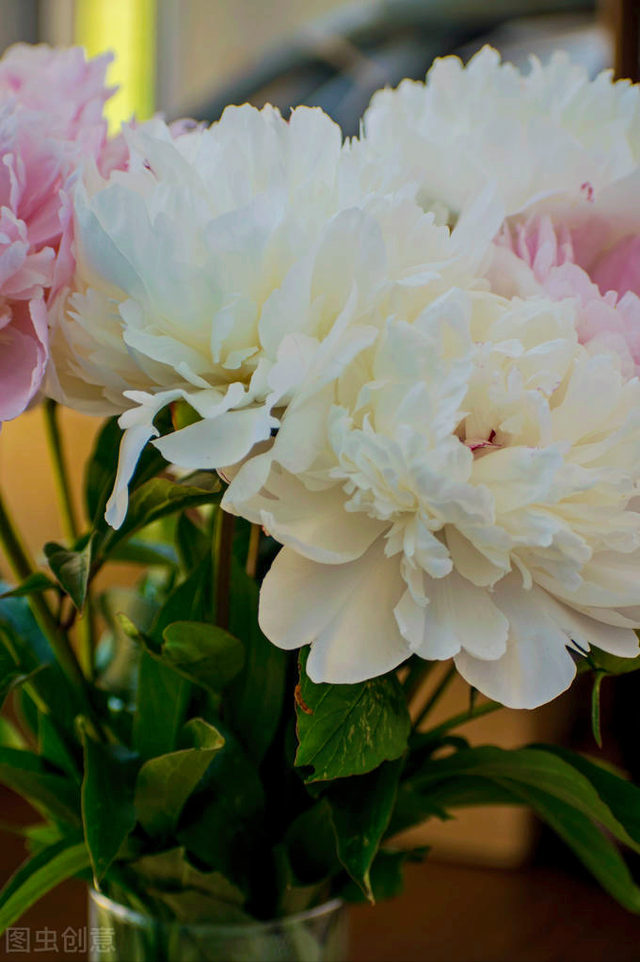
(223,547)
(60,473)
(17,554)
(252,553)
(418,672)
(442,687)
(29,686)
(22,567)
(86,637)
(432,734)
(86,627)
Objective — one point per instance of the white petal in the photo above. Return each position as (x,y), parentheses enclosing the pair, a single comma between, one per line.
(133,442)
(586,631)
(315,523)
(458,615)
(217,442)
(469,561)
(345,611)
(536,666)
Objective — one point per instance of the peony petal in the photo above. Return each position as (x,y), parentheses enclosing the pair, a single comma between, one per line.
(458,615)
(536,666)
(313,523)
(23,357)
(132,445)
(344,611)
(215,443)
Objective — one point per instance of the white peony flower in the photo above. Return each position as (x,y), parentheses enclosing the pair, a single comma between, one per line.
(215,268)
(563,153)
(548,133)
(461,490)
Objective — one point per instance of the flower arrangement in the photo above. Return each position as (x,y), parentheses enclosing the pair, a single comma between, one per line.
(411,361)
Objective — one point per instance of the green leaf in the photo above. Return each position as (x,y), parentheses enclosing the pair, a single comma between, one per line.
(560,795)
(208,480)
(310,844)
(10,736)
(349,729)
(414,805)
(30,644)
(161,705)
(256,698)
(361,808)
(155,499)
(155,727)
(108,810)
(564,795)
(222,823)
(39,875)
(43,834)
(71,568)
(206,654)
(591,845)
(293,895)
(192,541)
(622,797)
(182,414)
(612,664)
(11,675)
(117,656)
(53,746)
(21,637)
(545,770)
(192,906)
(27,775)
(172,870)
(164,784)
(34,584)
(387,875)
(140,552)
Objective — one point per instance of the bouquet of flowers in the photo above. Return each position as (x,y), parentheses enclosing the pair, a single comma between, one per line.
(410,360)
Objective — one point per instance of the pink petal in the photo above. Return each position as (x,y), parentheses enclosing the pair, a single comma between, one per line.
(23,356)
(619,268)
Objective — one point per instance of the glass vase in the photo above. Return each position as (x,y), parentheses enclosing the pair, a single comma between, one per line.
(118,934)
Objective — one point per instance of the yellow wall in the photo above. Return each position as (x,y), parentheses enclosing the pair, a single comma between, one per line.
(128,28)
(25,473)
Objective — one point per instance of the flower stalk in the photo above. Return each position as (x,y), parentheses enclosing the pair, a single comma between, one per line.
(22,566)
(86,626)
(435,697)
(252,553)
(223,547)
(418,672)
(486,708)
(60,472)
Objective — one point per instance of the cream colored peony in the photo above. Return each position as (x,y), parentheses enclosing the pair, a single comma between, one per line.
(550,133)
(215,268)
(564,155)
(461,489)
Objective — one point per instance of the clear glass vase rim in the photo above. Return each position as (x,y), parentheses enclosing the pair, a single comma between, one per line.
(124,913)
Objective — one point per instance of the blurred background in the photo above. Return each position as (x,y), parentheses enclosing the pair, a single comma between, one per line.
(518,890)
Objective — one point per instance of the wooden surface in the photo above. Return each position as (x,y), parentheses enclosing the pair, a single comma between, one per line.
(452,913)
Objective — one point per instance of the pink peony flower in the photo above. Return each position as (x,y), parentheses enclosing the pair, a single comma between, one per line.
(556,255)
(51,117)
